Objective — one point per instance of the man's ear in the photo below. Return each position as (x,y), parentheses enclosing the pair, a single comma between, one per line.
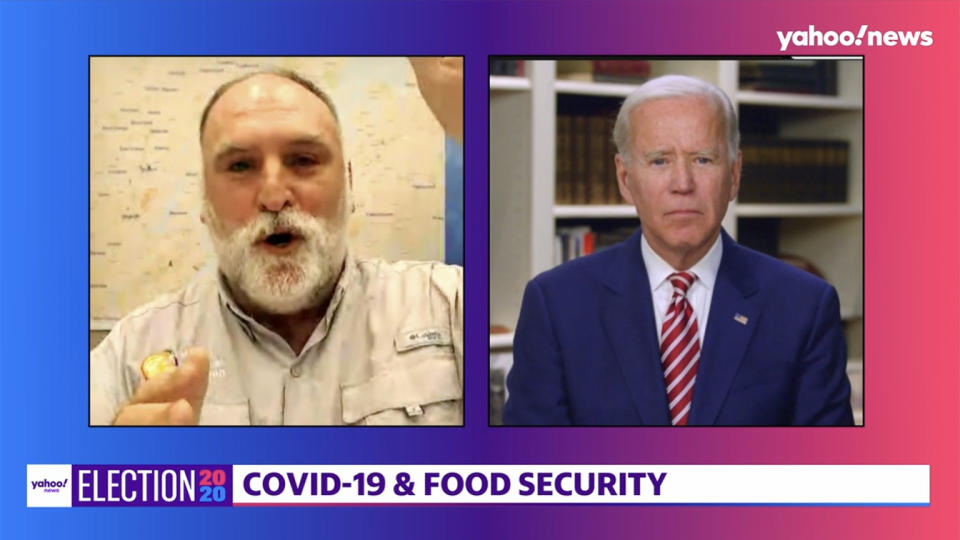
(735,176)
(623,179)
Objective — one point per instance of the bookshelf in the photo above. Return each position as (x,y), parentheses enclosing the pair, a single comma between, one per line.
(798,101)
(524,217)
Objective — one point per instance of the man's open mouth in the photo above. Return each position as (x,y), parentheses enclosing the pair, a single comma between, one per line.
(280,239)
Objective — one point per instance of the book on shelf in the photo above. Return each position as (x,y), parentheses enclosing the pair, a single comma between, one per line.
(759,234)
(575,70)
(579,136)
(573,242)
(585,169)
(618,71)
(596,159)
(508,68)
(792,76)
(778,170)
(564,165)
(621,71)
(577,241)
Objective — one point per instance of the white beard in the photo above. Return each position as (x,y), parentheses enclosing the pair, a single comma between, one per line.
(281,284)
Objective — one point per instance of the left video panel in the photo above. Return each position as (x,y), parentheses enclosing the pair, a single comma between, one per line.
(269,242)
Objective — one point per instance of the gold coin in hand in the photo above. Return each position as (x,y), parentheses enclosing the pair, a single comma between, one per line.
(158,363)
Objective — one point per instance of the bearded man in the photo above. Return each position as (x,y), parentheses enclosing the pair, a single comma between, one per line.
(292,329)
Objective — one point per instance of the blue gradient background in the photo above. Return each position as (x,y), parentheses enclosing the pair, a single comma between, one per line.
(912,200)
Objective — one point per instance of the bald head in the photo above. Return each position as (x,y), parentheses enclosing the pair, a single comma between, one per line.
(289,75)
(264,106)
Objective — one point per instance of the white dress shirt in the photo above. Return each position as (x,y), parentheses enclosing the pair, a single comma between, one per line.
(700,293)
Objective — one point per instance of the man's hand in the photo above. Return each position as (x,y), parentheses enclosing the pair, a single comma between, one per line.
(441,83)
(172,399)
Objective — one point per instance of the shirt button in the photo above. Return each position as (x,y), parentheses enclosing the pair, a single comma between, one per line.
(296,371)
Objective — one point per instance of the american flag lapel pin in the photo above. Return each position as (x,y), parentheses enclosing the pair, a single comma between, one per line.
(742,319)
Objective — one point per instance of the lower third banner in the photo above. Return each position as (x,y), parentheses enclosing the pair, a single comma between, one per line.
(298,485)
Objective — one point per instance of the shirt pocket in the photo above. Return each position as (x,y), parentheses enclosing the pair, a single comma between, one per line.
(223,414)
(427,392)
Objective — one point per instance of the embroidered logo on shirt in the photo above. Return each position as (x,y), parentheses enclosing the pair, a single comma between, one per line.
(411,339)
(218,369)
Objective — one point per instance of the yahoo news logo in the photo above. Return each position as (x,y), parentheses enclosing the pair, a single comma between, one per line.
(49,486)
(811,37)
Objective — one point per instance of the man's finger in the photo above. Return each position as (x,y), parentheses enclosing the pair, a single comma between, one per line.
(177,413)
(197,364)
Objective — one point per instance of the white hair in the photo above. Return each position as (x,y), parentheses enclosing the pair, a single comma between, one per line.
(281,284)
(669,86)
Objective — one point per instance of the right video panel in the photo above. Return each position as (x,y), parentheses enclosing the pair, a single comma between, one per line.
(676,241)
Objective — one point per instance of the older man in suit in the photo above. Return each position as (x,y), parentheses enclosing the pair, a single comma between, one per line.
(622,337)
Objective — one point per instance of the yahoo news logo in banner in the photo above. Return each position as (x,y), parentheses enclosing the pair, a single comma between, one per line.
(129,485)
(299,485)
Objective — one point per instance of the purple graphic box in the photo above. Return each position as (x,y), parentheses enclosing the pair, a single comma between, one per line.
(152,485)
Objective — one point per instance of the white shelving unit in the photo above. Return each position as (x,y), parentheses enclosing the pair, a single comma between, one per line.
(798,101)
(502,83)
(593,88)
(798,210)
(594,211)
(501,341)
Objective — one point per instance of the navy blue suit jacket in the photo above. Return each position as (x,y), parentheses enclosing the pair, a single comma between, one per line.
(586,349)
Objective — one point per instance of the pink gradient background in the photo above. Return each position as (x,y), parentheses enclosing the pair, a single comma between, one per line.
(912,305)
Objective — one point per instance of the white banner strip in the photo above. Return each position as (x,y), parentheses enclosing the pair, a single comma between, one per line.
(284,485)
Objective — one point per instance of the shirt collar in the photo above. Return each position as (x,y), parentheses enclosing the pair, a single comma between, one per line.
(658,270)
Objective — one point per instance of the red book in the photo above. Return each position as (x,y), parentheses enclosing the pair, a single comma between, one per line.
(588,242)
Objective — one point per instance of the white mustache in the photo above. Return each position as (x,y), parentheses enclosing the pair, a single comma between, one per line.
(267,223)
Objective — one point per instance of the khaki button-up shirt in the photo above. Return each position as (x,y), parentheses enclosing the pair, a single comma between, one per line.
(388,351)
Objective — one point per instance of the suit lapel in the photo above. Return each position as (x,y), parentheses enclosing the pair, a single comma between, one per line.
(627,315)
(734,310)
